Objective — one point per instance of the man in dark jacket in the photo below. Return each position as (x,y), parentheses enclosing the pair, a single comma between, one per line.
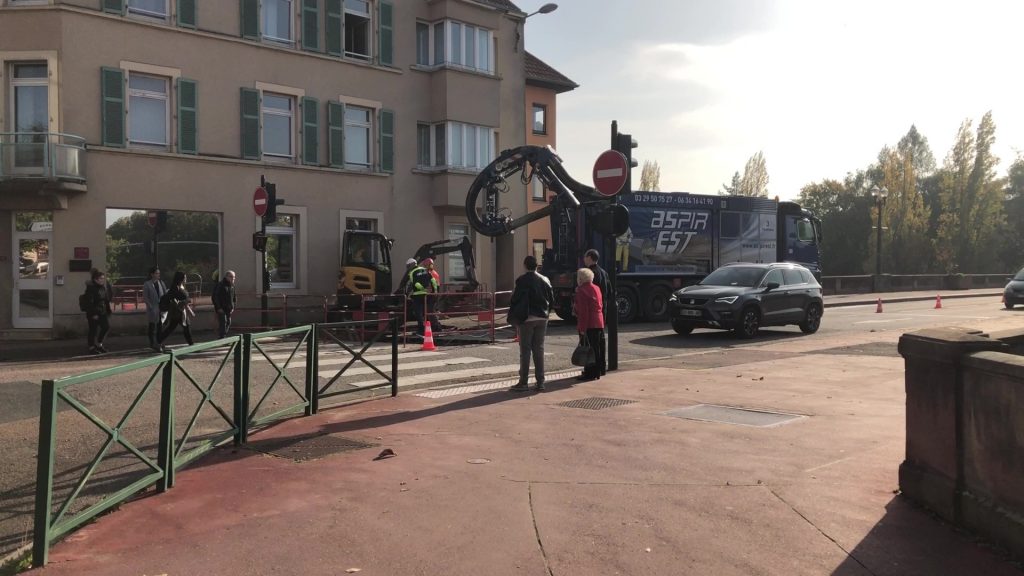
(97,306)
(604,284)
(530,305)
(224,302)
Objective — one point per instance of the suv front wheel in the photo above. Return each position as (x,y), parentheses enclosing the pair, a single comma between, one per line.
(681,328)
(750,322)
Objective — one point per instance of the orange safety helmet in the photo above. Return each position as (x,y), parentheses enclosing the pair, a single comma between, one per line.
(427,262)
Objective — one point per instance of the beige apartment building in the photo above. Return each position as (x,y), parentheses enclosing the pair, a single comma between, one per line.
(367,114)
(543,85)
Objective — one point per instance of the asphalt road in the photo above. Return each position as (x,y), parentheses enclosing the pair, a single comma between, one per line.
(79,440)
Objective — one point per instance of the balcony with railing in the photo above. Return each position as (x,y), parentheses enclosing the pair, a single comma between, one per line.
(41,161)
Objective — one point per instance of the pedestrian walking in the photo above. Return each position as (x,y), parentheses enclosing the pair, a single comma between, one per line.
(96,303)
(152,291)
(179,310)
(224,303)
(530,306)
(603,283)
(590,321)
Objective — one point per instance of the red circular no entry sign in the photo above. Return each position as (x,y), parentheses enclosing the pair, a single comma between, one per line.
(610,172)
(259,201)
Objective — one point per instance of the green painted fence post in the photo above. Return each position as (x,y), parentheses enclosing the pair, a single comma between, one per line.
(394,356)
(311,371)
(44,474)
(244,399)
(239,384)
(165,450)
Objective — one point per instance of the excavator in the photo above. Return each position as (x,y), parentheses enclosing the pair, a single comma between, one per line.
(366,269)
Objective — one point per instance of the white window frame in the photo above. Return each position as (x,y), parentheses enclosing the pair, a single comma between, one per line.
(139,93)
(7,60)
(147,15)
(458,137)
(290,41)
(373,151)
(454,52)
(359,125)
(537,190)
(543,110)
(370,40)
(278,112)
(296,95)
(171,75)
(455,257)
(424,149)
(300,245)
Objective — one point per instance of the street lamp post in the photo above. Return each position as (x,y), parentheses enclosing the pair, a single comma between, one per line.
(879,195)
(545,9)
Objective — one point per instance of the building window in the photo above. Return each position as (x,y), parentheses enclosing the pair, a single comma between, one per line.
(357,137)
(278,112)
(456,44)
(277,20)
(282,251)
(456,264)
(357,29)
(455,144)
(148,110)
(148,8)
(30,102)
(537,188)
(538,250)
(540,119)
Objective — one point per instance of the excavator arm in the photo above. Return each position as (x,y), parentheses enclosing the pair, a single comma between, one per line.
(483,209)
(463,246)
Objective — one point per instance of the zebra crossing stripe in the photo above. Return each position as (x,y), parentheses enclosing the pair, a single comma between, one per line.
(431,377)
(405,366)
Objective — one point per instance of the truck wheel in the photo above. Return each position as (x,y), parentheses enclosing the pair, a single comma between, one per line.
(627,302)
(812,321)
(681,328)
(750,322)
(565,314)
(656,303)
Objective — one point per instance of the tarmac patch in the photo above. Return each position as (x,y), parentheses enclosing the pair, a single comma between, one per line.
(307,446)
(20,401)
(888,349)
(732,357)
(731,415)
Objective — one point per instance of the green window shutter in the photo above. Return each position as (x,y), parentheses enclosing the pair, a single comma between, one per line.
(112,114)
(187,13)
(310,25)
(387,141)
(310,131)
(113,6)
(250,124)
(250,19)
(336,134)
(188,117)
(385,32)
(333,24)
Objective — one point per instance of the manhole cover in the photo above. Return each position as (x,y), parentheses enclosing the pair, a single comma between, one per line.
(868,349)
(595,403)
(730,415)
(307,447)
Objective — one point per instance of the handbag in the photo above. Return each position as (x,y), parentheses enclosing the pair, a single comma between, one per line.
(583,355)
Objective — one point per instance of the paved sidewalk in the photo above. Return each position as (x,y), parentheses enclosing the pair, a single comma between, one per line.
(495,483)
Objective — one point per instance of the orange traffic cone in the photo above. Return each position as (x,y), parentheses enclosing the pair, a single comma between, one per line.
(878,307)
(938,301)
(428,338)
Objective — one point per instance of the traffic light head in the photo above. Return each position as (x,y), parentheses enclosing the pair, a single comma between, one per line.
(270,216)
(161,221)
(624,144)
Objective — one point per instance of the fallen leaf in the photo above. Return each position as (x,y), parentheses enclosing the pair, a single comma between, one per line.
(647,549)
(351,570)
(385,453)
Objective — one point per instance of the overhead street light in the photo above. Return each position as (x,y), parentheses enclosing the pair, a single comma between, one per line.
(545,9)
(879,195)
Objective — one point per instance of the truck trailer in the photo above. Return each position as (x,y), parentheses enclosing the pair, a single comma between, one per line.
(675,239)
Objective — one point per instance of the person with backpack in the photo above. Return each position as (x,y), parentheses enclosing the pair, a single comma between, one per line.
(179,310)
(152,291)
(96,303)
(420,284)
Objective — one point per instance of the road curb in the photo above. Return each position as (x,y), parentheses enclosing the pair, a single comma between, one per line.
(907,299)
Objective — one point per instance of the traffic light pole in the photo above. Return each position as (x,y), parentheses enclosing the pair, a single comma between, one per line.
(612,306)
(265,274)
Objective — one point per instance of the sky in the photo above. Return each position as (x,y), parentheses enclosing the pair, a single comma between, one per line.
(819,86)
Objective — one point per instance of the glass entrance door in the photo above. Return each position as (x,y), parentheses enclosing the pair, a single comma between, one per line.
(33,301)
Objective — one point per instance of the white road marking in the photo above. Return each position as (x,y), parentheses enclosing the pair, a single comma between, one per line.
(441,376)
(407,366)
(881,321)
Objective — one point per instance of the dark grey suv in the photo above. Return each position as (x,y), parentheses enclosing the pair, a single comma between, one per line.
(1014,292)
(744,297)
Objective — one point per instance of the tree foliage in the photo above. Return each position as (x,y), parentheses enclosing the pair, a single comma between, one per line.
(650,177)
(845,216)
(753,182)
(189,244)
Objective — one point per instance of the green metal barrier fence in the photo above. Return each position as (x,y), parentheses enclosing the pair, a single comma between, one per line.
(327,333)
(235,356)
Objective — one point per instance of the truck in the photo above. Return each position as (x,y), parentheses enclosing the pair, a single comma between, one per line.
(675,239)
(665,240)
(366,269)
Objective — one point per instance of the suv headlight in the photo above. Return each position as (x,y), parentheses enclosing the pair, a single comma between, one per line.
(726,299)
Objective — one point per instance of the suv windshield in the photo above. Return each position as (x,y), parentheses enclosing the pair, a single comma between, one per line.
(1020,275)
(734,276)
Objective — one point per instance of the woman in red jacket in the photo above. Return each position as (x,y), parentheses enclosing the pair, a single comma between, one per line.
(590,319)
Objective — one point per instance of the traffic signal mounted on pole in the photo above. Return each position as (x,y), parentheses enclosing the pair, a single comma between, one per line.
(161,222)
(624,144)
(272,203)
(259,242)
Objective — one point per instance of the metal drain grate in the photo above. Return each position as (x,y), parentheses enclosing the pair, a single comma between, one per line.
(730,415)
(595,403)
(307,447)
